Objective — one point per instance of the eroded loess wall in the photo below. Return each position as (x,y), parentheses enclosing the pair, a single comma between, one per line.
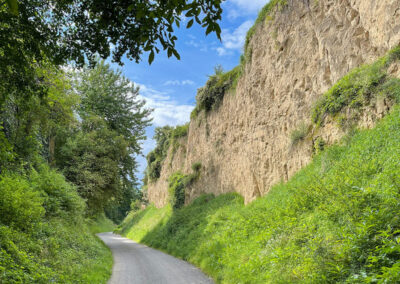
(296,55)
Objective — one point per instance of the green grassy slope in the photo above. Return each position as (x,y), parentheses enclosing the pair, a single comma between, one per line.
(337,220)
(44,237)
(101,224)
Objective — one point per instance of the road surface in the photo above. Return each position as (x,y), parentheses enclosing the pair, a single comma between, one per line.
(136,263)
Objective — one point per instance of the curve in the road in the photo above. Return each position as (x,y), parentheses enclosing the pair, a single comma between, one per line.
(136,263)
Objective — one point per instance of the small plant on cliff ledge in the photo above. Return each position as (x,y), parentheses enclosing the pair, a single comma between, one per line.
(299,133)
(262,16)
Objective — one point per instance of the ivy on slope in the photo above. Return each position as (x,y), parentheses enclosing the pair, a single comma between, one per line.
(336,221)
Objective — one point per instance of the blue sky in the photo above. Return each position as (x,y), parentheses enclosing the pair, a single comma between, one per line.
(169,85)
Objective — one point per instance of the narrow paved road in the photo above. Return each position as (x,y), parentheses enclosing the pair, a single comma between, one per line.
(136,263)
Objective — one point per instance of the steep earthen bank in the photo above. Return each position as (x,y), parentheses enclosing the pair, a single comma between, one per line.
(296,55)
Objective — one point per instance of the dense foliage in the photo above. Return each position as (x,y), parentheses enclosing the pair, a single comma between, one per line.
(336,221)
(43,233)
(211,95)
(178,183)
(165,137)
(100,156)
(43,214)
(72,30)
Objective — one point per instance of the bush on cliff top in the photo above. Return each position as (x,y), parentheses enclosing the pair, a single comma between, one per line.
(336,221)
(262,16)
(211,95)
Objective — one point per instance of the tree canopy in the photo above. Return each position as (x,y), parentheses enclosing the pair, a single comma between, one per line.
(75,29)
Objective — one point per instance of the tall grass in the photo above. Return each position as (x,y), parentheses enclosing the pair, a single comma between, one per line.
(335,221)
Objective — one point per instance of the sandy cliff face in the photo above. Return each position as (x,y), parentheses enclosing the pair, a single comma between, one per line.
(244,145)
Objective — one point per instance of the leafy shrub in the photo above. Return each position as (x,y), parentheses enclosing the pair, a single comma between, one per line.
(43,236)
(195,113)
(179,131)
(391,89)
(6,153)
(319,145)
(20,203)
(60,197)
(393,56)
(178,182)
(196,167)
(154,169)
(211,95)
(176,190)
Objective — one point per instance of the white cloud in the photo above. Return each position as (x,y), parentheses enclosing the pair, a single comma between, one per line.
(250,6)
(178,83)
(193,43)
(240,8)
(148,145)
(223,51)
(166,110)
(197,44)
(233,40)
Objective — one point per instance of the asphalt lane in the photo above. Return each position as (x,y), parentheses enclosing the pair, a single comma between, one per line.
(138,264)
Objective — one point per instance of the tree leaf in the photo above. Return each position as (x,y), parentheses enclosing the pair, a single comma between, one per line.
(190,23)
(209,30)
(13,6)
(176,54)
(151,57)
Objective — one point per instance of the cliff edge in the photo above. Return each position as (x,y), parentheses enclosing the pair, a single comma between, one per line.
(295,52)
